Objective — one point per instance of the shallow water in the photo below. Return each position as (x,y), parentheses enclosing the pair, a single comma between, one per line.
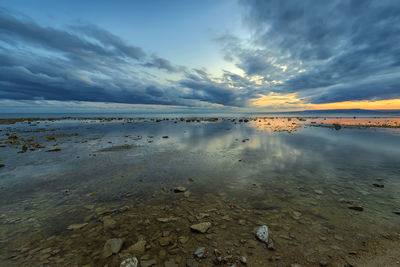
(296,179)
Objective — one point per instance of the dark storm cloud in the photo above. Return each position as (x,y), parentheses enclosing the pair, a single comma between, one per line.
(87,63)
(327,50)
(84,63)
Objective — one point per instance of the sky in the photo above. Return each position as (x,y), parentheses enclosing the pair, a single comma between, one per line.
(217,56)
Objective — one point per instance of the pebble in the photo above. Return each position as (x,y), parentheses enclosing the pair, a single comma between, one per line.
(262,234)
(170,263)
(191,263)
(357,208)
(131,262)
(147,263)
(243,260)
(179,189)
(165,241)
(200,252)
(396,212)
(2,165)
(112,246)
(76,226)
(137,248)
(108,223)
(378,185)
(295,215)
(201,227)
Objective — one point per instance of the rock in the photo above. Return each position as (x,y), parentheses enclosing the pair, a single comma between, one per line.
(183,239)
(319,192)
(131,262)
(147,263)
(338,237)
(168,219)
(165,241)
(262,234)
(323,263)
(138,248)
(191,263)
(162,254)
(186,194)
(179,189)
(243,260)
(170,263)
(295,215)
(201,227)
(108,223)
(357,208)
(200,253)
(165,136)
(112,246)
(378,185)
(2,165)
(396,212)
(76,226)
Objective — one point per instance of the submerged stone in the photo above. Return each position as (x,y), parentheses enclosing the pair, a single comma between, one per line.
(112,246)
(357,208)
(76,226)
(201,227)
(200,253)
(262,234)
(131,262)
(179,189)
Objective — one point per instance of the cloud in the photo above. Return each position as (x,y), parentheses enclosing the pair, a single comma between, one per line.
(86,63)
(324,51)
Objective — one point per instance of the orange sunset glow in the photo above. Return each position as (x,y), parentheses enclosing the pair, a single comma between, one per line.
(292,102)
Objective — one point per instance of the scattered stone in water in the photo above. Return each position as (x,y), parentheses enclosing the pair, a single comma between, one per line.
(131,262)
(170,263)
(200,253)
(378,185)
(183,239)
(147,263)
(201,227)
(396,212)
(112,246)
(319,192)
(243,260)
(179,189)
(168,219)
(191,180)
(191,263)
(76,226)
(186,194)
(2,165)
(138,248)
(165,241)
(357,208)
(165,136)
(295,215)
(108,223)
(262,234)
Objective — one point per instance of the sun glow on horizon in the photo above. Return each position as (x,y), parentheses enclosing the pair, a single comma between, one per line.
(293,102)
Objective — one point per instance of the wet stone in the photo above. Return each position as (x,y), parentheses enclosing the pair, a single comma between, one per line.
(76,226)
(262,234)
(112,246)
(357,208)
(131,262)
(137,248)
(179,189)
(201,227)
(147,263)
(200,253)
(191,263)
